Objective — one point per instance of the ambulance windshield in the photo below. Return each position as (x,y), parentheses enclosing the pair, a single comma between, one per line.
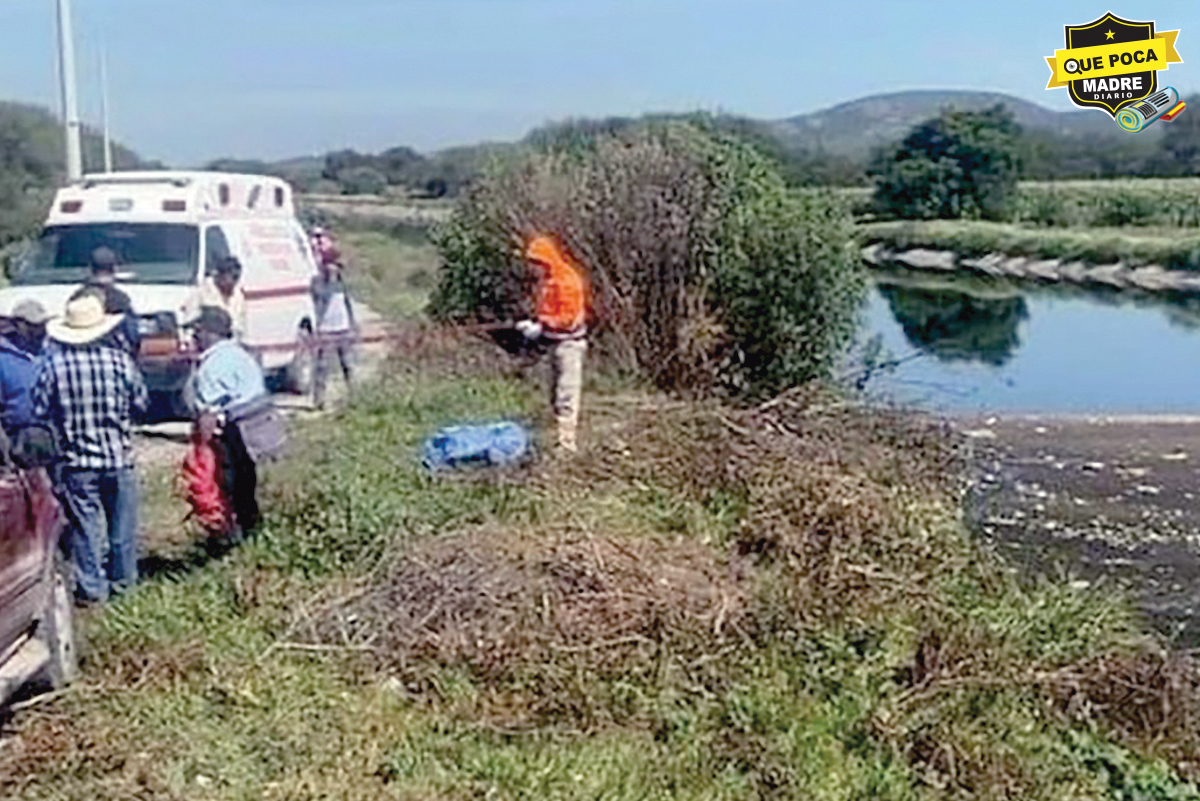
(147,253)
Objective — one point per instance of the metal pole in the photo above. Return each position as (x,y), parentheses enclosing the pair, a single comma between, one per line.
(66,72)
(108,156)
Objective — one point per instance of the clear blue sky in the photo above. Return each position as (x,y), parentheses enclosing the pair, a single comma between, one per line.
(192,80)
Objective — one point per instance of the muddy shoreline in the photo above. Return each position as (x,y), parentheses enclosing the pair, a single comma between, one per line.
(1111,500)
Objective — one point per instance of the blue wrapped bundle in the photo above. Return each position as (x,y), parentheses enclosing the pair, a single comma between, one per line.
(492,444)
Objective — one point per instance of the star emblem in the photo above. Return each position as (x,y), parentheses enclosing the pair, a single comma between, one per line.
(1108,34)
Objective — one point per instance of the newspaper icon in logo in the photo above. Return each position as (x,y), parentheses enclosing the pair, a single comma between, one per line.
(1112,64)
(1136,117)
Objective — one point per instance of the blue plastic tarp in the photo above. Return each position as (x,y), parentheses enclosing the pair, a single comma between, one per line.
(491,444)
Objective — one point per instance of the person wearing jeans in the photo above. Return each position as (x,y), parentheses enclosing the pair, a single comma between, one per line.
(102,507)
(336,329)
(89,391)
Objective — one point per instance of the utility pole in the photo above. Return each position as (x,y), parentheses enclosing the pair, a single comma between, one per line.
(70,106)
(108,159)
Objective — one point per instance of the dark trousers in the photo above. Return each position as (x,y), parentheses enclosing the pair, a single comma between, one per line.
(329,348)
(241,478)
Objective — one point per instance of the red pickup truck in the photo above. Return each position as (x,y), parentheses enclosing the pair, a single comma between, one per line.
(37,633)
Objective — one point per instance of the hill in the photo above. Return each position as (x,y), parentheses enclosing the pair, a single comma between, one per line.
(852,129)
(31,139)
(32,164)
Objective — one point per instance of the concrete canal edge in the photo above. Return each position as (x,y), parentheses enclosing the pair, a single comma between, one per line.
(1149,278)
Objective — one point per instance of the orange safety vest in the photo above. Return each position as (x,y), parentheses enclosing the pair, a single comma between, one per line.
(563,298)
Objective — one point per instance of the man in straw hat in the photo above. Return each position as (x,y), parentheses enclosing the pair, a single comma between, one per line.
(562,303)
(89,391)
(20,347)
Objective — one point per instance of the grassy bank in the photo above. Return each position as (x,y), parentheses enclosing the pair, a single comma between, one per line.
(710,603)
(1172,248)
(392,270)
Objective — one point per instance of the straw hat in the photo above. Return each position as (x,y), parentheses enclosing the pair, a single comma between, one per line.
(84,321)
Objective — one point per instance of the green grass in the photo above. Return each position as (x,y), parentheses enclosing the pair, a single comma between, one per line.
(1177,249)
(393,274)
(194,689)
(1168,202)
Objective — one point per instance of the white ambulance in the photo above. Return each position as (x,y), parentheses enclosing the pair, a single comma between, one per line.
(169,230)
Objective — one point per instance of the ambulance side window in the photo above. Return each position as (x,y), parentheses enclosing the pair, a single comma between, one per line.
(216,247)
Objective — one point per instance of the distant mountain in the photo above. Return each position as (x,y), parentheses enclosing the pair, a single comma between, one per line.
(830,146)
(853,129)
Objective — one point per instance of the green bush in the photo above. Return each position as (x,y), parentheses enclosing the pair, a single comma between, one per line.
(962,164)
(709,273)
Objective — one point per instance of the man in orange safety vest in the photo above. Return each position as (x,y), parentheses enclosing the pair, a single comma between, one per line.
(562,303)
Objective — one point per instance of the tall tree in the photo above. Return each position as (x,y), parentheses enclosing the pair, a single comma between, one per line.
(960,164)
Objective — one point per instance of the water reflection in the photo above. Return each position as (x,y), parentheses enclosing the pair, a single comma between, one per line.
(971,343)
(955,325)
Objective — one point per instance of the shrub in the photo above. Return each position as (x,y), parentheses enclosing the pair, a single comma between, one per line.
(962,164)
(708,272)
(363,181)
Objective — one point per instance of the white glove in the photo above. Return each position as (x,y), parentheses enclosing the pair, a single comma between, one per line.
(530,329)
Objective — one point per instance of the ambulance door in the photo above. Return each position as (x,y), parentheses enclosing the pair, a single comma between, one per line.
(278,287)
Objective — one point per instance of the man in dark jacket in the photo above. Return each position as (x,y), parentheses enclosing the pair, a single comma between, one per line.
(103,281)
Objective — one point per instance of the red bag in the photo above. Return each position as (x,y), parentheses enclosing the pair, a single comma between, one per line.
(201,477)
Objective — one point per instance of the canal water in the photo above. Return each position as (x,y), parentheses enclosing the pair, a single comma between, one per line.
(964,344)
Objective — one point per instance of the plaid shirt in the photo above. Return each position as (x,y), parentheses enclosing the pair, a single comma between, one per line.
(89,393)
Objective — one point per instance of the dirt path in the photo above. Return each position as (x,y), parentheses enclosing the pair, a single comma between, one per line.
(1100,499)
(165,442)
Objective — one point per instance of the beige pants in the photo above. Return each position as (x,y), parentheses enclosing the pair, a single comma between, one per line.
(566,360)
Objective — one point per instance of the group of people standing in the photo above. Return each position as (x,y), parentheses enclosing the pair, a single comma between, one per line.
(75,378)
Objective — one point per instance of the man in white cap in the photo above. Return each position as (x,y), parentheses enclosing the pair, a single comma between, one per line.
(89,391)
(20,347)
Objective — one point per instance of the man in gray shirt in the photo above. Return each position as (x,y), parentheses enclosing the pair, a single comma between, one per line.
(336,328)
